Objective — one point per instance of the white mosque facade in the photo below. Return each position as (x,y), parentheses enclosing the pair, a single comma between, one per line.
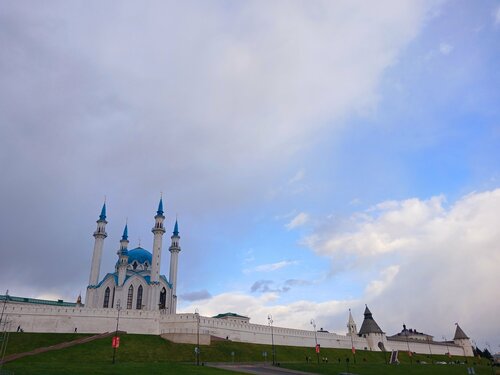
(136,283)
(145,302)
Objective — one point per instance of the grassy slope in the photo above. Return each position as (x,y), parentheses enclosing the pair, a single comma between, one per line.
(160,355)
(25,342)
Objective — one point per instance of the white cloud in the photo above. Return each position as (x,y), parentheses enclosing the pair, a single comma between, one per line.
(299,176)
(294,315)
(445,48)
(376,287)
(270,267)
(447,260)
(496,15)
(299,220)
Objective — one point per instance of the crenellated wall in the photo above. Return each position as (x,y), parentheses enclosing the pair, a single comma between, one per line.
(183,328)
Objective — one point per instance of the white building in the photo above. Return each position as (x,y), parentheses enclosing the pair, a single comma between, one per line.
(136,283)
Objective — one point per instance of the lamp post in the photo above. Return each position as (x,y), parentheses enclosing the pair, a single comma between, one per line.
(115,339)
(197,314)
(270,320)
(408,344)
(447,348)
(430,351)
(313,323)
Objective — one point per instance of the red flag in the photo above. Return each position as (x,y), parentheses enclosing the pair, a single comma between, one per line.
(317,348)
(115,343)
(353,349)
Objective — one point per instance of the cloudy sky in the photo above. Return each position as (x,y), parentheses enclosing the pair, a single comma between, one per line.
(319,155)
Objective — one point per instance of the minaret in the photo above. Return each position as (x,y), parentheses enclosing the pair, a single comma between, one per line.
(123,257)
(158,232)
(99,235)
(351,325)
(174,254)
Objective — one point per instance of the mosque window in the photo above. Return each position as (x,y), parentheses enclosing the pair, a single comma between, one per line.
(130,297)
(146,265)
(134,265)
(163,298)
(139,298)
(106,298)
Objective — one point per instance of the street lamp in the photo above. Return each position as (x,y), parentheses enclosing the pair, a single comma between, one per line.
(270,320)
(430,351)
(197,315)
(408,343)
(447,348)
(313,323)
(116,339)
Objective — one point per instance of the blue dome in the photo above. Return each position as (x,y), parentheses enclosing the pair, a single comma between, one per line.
(140,255)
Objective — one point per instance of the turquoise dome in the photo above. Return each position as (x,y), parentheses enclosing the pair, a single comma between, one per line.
(140,255)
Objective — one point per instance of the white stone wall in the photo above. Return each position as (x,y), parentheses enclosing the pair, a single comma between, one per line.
(66,319)
(184,328)
(423,347)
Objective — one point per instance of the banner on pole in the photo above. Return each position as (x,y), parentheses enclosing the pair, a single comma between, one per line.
(115,343)
(353,349)
(317,348)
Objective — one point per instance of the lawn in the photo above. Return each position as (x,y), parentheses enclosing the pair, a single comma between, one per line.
(139,354)
(378,369)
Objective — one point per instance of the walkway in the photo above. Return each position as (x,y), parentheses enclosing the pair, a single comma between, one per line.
(259,369)
(61,345)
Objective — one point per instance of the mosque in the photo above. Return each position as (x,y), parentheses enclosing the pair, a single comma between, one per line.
(141,300)
(136,282)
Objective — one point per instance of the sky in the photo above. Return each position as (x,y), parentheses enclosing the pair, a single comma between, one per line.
(319,155)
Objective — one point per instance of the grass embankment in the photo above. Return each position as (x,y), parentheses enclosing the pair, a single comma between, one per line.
(151,354)
(25,342)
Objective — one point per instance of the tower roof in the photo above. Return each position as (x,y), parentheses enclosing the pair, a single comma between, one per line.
(102,216)
(459,333)
(125,233)
(351,319)
(369,324)
(160,207)
(176,228)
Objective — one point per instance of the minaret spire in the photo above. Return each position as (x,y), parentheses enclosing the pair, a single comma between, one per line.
(158,231)
(174,257)
(123,257)
(351,325)
(99,235)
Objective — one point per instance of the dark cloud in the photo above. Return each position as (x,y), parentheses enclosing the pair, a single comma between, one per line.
(196,296)
(264,286)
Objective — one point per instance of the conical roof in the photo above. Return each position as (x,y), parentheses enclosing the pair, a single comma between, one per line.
(459,334)
(369,324)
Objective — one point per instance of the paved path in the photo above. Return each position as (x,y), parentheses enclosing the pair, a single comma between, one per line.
(61,345)
(259,369)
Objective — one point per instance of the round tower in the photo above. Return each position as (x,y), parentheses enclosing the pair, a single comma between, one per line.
(158,231)
(99,235)
(123,257)
(174,255)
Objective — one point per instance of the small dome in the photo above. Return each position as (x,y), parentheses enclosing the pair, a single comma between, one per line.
(140,255)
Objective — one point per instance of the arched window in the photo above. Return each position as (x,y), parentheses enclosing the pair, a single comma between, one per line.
(138,305)
(130,297)
(163,298)
(106,298)
(134,265)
